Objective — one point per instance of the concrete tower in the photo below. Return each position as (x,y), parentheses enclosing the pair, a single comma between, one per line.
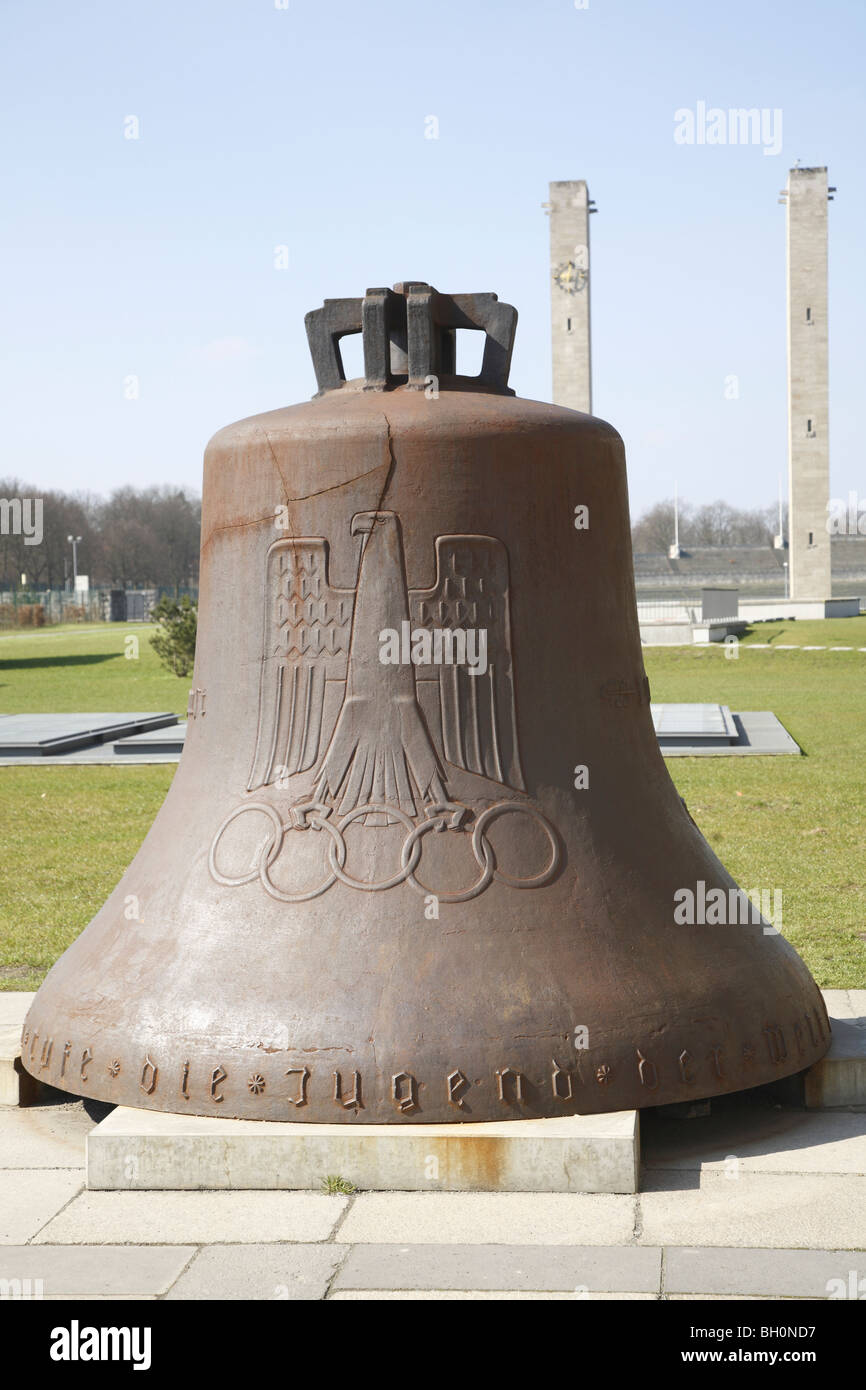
(806,197)
(569,207)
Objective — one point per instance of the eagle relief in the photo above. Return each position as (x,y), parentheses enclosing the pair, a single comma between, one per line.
(374,700)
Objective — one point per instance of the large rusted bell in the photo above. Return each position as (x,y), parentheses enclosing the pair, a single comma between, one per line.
(376,890)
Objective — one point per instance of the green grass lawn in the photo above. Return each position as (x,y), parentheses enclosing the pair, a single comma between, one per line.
(68,834)
(84,667)
(798,824)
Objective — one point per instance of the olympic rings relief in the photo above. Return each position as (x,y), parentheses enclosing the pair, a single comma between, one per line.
(442,817)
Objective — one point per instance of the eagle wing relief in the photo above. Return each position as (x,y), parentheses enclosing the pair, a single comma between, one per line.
(308,627)
(472,716)
(379,735)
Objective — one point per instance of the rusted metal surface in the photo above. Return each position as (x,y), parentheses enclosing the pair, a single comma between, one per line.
(377,891)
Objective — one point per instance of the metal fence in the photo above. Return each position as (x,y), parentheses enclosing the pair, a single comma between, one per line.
(668,611)
(46,607)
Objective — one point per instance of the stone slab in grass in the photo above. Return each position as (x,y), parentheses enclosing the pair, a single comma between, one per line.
(170,740)
(33,735)
(759,734)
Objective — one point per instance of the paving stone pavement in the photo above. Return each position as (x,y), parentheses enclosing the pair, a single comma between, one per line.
(754,1201)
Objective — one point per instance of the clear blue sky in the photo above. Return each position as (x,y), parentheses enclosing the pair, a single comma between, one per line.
(304,127)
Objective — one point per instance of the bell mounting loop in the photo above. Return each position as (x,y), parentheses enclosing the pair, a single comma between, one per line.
(409,337)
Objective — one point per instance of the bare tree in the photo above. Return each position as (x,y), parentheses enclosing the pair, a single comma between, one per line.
(713,524)
(134,538)
(654,529)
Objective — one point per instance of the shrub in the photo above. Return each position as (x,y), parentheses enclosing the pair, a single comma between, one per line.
(30,615)
(174,639)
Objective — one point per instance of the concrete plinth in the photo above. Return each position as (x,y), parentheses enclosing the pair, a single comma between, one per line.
(839,1079)
(17,1087)
(660,634)
(138,1149)
(768,610)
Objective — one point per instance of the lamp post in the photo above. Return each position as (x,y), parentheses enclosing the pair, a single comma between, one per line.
(674,551)
(73,541)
